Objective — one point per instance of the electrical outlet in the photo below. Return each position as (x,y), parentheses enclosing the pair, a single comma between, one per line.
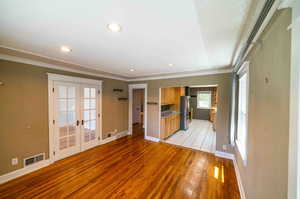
(14,161)
(225,147)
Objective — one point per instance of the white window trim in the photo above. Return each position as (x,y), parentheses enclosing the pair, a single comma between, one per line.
(244,70)
(208,92)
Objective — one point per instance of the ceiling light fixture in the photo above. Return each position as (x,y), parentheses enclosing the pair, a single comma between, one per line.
(131,70)
(170,64)
(65,49)
(114,27)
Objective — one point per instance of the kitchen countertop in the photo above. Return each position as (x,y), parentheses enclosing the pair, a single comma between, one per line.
(165,114)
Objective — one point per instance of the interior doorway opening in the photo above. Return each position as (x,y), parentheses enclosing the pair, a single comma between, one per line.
(137,122)
(138,96)
(196,107)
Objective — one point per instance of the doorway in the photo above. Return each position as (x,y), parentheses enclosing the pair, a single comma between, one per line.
(74,107)
(200,110)
(138,110)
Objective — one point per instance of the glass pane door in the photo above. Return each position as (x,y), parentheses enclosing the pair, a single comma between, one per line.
(67,119)
(90,120)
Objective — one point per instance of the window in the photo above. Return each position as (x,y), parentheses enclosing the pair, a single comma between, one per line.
(204,100)
(242,123)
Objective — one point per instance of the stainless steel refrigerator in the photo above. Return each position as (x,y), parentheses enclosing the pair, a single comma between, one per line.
(184,112)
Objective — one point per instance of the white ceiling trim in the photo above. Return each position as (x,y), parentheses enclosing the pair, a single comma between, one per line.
(50,58)
(200,73)
(52,66)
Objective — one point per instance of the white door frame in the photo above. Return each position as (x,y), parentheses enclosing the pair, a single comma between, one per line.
(131,87)
(56,77)
(294,123)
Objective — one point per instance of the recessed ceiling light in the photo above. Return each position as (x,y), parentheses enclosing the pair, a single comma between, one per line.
(131,70)
(65,49)
(170,64)
(114,27)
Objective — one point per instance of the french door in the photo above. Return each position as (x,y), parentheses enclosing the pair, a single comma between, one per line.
(76,116)
(89,116)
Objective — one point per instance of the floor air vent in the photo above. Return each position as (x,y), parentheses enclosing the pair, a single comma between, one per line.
(33,159)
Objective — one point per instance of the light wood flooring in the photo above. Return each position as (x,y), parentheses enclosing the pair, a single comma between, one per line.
(200,136)
(130,168)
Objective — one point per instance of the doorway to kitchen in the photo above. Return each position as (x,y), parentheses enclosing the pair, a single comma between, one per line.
(138,110)
(196,108)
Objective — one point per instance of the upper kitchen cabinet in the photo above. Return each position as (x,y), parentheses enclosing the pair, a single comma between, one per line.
(171,95)
(168,96)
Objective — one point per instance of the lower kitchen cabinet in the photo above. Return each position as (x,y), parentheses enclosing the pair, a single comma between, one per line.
(169,125)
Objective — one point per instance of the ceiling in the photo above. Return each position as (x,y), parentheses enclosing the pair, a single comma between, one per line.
(193,35)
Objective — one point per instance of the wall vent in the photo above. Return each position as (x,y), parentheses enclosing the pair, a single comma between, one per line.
(33,159)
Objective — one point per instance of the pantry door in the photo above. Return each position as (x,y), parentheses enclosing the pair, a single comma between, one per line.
(90,125)
(67,119)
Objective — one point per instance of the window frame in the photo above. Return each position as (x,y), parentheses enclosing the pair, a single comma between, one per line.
(206,92)
(244,70)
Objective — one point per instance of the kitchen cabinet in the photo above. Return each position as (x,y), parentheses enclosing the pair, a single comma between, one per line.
(169,125)
(168,96)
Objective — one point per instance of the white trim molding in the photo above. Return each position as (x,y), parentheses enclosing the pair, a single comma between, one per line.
(115,137)
(231,156)
(25,170)
(239,179)
(77,80)
(127,79)
(65,78)
(182,74)
(294,109)
(153,139)
(57,67)
(222,154)
(131,87)
(28,169)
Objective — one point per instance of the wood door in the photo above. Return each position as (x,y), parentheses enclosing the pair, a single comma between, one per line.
(90,133)
(66,117)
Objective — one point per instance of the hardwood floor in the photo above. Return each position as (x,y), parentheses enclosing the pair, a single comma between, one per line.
(130,168)
(199,136)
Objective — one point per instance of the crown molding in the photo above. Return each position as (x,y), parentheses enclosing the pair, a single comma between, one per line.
(52,66)
(180,75)
(156,77)
(26,52)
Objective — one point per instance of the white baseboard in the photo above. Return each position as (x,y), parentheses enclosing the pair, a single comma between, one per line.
(41,164)
(24,170)
(224,155)
(152,138)
(112,138)
(239,179)
(236,169)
